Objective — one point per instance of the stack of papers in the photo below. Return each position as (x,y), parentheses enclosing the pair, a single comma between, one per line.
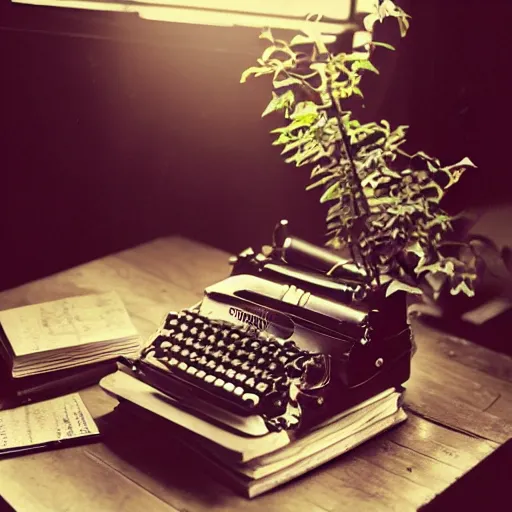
(66,334)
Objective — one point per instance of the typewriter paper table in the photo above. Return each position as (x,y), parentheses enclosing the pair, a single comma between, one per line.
(459,402)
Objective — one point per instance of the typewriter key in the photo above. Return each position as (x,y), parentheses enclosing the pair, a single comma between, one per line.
(184,327)
(197,345)
(191,370)
(235,363)
(193,331)
(219,383)
(239,391)
(212,339)
(165,345)
(226,359)
(240,377)
(256,371)
(229,387)
(183,366)
(251,399)
(201,374)
(173,362)
(261,361)
(211,364)
(176,349)
(250,382)
(246,366)
(242,355)
(262,387)
(220,370)
(230,374)
(189,342)
(251,356)
(209,379)
(185,352)
(217,354)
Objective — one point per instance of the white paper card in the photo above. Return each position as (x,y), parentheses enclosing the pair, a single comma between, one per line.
(61,418)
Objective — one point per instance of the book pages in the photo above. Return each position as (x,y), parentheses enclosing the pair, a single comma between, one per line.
(66,323)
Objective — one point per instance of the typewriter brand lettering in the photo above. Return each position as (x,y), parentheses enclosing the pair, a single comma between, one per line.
(248,318)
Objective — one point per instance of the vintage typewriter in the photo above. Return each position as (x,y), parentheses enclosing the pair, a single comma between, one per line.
(296,334)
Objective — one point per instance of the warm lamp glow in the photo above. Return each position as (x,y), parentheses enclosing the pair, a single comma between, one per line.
(284,14)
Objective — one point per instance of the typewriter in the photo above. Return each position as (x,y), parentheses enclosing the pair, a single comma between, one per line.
(295,334)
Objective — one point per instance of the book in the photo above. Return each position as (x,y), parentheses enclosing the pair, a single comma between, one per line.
(254,462)
(49,424)
(65,334)
(290,468)
(34,388)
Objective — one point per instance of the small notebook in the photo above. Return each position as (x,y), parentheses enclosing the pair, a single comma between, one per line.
(66,333)
(52,423)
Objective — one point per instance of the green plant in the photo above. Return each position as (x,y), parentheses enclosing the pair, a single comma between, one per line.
(383,202)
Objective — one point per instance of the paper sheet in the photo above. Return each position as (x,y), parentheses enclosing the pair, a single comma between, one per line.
(58,419)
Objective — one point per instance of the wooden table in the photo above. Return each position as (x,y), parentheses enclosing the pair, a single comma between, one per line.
(459,402)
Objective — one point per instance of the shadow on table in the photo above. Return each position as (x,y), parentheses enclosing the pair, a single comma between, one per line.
(147,451)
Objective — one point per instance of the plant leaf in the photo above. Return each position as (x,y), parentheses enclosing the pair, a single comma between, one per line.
(383,45)
(395,286)
(256,71)
(357,91)
(364,64)
(267,34)
(332,192)
(321,181)
(301,39)
(284,101)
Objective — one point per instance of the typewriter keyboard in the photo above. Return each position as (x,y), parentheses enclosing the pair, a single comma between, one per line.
(252,371)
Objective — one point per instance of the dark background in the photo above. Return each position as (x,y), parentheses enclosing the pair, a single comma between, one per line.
(115,130)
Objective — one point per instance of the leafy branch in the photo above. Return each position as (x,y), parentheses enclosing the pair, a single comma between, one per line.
(383,202)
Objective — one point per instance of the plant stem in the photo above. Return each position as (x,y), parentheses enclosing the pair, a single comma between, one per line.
(337,114)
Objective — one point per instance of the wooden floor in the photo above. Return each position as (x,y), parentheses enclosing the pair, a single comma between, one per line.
(459,402)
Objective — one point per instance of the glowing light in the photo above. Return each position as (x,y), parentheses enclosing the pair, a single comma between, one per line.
(285,14)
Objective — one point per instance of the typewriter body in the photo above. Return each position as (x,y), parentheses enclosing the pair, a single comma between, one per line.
(295,334)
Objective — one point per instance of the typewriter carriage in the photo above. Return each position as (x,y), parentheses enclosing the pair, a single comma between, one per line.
(330,306)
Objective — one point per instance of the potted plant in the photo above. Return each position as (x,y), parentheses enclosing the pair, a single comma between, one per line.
(383,202)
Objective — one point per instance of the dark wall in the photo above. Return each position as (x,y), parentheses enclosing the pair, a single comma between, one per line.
(461,100)
(114,130)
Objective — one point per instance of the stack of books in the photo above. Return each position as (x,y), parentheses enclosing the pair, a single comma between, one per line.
(54,347)
(241,450)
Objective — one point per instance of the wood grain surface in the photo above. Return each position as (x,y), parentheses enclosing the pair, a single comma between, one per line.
(458,400)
